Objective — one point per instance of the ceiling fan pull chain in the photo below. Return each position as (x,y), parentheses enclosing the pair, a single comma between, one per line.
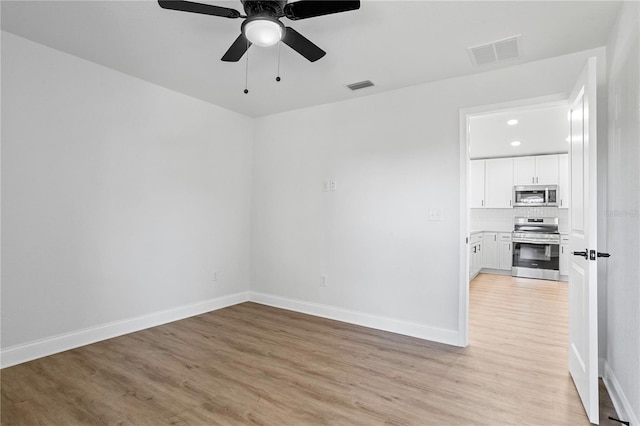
(246,72)
(278,76)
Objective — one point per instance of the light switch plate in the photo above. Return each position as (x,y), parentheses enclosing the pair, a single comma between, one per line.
(325,186)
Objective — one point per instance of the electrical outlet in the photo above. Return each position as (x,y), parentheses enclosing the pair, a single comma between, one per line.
(323,280)
(332,185)
(435,214)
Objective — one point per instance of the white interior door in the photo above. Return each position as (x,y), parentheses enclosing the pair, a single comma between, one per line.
(583,272)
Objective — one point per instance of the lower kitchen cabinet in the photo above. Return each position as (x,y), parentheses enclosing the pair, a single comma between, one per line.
(564,255)
(505,251)
(496,253)
(475,254)
(490,250)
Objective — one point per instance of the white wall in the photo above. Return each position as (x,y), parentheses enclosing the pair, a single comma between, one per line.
(120,198)
(394,156)
(623,215)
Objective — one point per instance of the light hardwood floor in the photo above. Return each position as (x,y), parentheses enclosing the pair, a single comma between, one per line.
(256,364)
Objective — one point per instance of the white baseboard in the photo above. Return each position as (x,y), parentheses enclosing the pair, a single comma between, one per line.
(63,342)
(49,346)
(619,399)
(450,337)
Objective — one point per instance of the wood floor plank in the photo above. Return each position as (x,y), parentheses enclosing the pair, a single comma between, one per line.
(254,364)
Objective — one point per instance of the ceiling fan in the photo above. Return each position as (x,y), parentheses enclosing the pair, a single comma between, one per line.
(262,25)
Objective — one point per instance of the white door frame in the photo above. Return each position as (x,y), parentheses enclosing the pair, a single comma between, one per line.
(465,115)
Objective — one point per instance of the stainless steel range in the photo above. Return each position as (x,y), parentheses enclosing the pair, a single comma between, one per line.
(536,248)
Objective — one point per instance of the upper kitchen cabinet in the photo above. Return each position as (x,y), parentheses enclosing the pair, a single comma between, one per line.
(563,181)
(547,169)
(535,170)
(498,182)
(476,181)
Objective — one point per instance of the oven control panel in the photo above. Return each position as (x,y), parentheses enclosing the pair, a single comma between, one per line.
(535,238)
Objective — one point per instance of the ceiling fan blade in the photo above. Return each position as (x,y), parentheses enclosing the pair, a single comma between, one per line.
(205,9)
(302,45)
(304,9)
(237,49)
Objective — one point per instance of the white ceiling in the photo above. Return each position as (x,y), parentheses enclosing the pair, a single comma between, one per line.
(540,130)
(392,43)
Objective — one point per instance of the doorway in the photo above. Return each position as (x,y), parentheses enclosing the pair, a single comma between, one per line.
(501,145)
(519,178)
(583,190)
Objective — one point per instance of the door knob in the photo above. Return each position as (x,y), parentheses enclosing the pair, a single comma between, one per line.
(584,253)
(593,255)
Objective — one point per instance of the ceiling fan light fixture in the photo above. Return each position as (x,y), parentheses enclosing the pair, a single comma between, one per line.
(263,32)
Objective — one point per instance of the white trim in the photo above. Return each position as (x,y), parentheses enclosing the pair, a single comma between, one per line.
(517,105)
(463,273)
(619,399)
(450,337)
(40,348)
(465,114)
(63,342)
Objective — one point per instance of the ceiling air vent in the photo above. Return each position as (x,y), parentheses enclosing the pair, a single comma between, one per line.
(360,85)
(495,51)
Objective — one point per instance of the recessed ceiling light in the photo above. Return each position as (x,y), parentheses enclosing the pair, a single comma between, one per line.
(512,122)
(515,143)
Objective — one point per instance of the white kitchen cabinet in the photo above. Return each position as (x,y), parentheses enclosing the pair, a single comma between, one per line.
(547,169)
(505,253)
(563,181)
(476,182)
(475,254)
(539,169)
(564,254)
(478,262)
(498,183)
(490,250)
(524,170)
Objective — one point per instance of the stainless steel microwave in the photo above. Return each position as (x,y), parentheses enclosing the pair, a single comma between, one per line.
(535,195)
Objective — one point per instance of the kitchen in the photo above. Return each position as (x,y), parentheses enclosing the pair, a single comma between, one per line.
(518,198)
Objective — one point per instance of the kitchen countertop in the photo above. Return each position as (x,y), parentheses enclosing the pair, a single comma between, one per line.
(477,231)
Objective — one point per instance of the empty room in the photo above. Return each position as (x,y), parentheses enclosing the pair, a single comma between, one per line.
(320,212)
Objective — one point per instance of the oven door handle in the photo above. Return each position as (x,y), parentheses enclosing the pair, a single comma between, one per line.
(521,241)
